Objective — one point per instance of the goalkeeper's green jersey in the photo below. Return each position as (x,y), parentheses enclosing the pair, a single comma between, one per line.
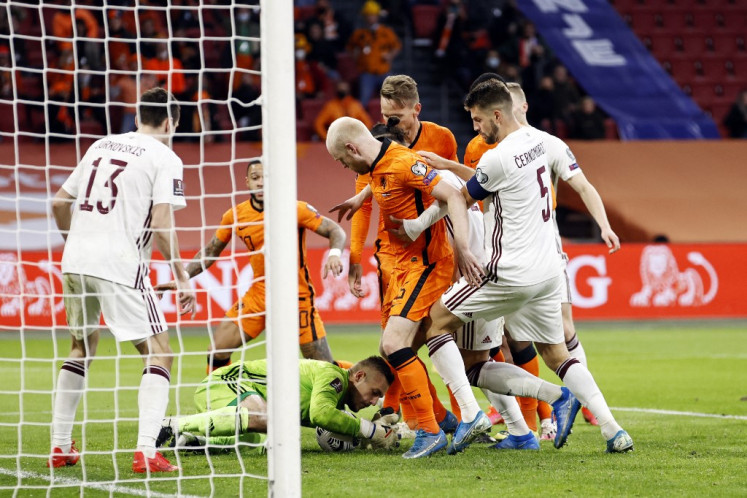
(324,387)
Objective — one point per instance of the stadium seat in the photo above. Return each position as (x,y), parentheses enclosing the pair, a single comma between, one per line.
(610,129)
(8,120)
(726,43)
(310,109)
(347,67)
(304,131)
(425,23)
(645,21)
(703,19)
(374,110)
(711,66)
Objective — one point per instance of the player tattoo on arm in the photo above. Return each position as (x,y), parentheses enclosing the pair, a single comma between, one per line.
(205,258)
(317,350)
(336,235)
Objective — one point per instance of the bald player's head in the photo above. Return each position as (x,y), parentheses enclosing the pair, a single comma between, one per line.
(350,143)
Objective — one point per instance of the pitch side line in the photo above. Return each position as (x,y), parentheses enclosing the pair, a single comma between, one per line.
(102,486)
(683,414)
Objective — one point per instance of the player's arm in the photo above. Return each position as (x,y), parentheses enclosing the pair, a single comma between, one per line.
(468,264)
(593,202)
(206,256)
(437,162)
(336,235)
(62,210)
(164,235)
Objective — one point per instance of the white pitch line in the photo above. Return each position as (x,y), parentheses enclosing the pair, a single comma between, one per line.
(683,414)
(102,486)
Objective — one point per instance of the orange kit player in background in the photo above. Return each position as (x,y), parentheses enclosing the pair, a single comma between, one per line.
(404,186)
(400,106)
(248,222)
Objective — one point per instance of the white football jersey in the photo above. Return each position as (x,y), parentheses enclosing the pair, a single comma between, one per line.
(563,165)
(474,218)
(115,187)
(514,180)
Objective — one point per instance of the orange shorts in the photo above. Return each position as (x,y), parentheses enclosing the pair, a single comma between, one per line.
(385,265)
(250,311)
(412,291)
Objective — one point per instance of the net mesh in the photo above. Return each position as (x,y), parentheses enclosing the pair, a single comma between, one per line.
(71,74)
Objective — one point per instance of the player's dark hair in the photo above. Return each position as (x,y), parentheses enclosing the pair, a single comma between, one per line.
(252,163)
(380,131)
(487,95)
(375,363)
(156,105)
(486,77)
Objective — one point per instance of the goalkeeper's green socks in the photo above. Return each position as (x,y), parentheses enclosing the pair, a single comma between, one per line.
(226,421)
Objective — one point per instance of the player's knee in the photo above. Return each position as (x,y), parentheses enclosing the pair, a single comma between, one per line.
(553,354)
(443,319)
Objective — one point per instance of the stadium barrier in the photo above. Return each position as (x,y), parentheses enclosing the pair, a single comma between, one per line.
(642,281)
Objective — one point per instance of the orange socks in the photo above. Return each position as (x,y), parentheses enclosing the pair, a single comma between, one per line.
(414,379)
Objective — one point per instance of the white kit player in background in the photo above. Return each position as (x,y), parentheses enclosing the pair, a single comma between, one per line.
(118,200)
(523,282)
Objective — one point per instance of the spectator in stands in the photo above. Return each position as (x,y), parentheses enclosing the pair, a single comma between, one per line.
(587,123)
(245,49)
(244,107)
(147,33)
(8,75)
(19,44)
(452,47)
(86,26)
(542,105)
(374,48)
(185,14)
(306,83)
(60,81)
(168,70)
(121,40)
(322,51)
(343,104)
(334,28)
(736,120)
(566,93)
(202,116)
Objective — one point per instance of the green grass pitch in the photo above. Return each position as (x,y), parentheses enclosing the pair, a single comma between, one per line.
(680,390)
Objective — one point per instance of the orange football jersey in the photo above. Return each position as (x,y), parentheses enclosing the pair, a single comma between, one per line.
(402,184)
(249,227)
(430,137)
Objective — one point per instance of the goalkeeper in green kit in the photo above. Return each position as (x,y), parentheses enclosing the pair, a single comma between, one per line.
(232,403)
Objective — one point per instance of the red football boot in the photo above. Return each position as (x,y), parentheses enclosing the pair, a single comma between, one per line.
(156,464)
(589,417)
(60,459)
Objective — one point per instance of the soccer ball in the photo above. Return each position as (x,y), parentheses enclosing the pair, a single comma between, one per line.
(332,441)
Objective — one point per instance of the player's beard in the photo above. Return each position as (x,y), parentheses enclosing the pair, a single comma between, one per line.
(492,136)
(257,202)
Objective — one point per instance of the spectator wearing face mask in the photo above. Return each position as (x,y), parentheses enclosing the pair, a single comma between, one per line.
(167,69)
(343,104)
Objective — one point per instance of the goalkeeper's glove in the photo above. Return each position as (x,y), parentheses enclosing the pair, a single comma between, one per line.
(386,416)
(379,435)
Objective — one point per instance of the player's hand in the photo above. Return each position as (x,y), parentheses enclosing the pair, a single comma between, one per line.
(161,288)
(399,230)
(350,207)
(434,160)
(470,267)
(333,265)
(611,239)
(355,277)
(187,302)
(384,437)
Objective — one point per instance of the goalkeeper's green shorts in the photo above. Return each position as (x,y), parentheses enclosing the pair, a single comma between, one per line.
(214,395)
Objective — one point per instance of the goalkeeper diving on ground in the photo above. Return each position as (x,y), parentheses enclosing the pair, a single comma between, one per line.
(232,404)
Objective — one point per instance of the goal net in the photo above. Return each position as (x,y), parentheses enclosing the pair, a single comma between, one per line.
(71,72)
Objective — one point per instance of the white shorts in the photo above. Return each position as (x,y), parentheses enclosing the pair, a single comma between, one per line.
(566,289)
(532,312)
(479,335)
(131,314)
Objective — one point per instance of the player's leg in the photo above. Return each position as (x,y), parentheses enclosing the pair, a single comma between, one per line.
(248,415)
(312,337)
(575,349)
(83,313)
(525,357)
(244,321)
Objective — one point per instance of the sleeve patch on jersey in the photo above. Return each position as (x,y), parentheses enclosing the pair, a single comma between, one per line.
(312,209)
(337,385)
(573,166)
(178,187)
(570,154)
(429,178)
(481,177)
(419,168)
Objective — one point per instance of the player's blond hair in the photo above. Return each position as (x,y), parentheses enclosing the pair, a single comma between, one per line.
(516,91)
(401,89)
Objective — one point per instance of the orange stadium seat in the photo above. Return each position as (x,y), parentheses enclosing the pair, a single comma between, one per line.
(310,109)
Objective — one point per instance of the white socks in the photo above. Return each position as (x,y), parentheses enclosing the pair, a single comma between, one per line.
(581,383)
(152,400)
(504,378)
(576,350)
(448,361)
(70,384)
(509,409)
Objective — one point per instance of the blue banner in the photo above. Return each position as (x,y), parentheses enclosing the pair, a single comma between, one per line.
(613,66)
